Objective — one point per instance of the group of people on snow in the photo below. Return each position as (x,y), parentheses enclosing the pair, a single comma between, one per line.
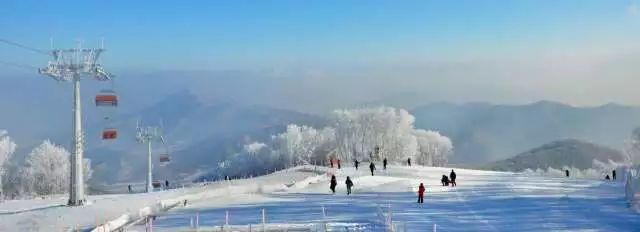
(613,174)
(334,183)
(446,181)
(607,177)
(451,179)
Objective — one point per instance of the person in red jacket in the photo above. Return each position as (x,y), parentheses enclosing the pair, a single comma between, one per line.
(421,193)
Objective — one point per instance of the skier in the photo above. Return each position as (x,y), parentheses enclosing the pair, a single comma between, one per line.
(331,162)
(409,162)
(444,180)
(356,163)
(384,164)
(566,172)
(339,166)
(129,188)
(421,193)
(372,167)
(607,177)
(333,184)
(452,178)
(166,184)
(349,184)
(613,174)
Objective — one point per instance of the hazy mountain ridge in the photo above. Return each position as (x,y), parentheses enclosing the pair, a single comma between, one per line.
(484,132)
(557,154)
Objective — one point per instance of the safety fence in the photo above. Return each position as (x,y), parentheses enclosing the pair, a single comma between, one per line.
(383,223)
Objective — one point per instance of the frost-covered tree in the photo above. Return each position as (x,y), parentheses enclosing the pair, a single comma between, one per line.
(433,148)
(301,144)
(360,131)
(633,148)
(7,147)
(46,170)
(254,147)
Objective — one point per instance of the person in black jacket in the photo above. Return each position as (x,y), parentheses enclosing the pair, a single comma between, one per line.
(349,184)
(384,164)
(452,178)
(356,163)
(333,184)
(372,167)
(444,180)
(409,162)
(613,174)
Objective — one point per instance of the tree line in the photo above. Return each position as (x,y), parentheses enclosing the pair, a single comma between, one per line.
(363,134)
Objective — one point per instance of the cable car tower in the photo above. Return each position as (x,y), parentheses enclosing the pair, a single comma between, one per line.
(147,135)
(71,65)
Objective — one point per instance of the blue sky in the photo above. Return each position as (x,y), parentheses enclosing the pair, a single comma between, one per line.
(580,52)
(250,34)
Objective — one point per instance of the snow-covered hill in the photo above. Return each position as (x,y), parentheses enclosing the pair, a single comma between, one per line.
(295,198)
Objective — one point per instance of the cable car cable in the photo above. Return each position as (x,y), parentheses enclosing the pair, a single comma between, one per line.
(16,65)
(25,47)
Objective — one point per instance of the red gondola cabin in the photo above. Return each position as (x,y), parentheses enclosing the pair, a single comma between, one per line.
(165,159)
(107,98)
(109,134)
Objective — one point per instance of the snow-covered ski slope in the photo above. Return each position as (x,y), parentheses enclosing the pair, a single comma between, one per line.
(294,198)
(483,201)
(52,215)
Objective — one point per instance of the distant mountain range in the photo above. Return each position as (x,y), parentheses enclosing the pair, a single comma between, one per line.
(207,117)
(557,154)
(482,133)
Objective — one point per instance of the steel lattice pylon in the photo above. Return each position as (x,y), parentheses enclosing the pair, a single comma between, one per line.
(71,65)
(147,135)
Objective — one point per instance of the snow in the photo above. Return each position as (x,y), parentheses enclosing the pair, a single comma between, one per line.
(483,201)
(51,214)
(294,198)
